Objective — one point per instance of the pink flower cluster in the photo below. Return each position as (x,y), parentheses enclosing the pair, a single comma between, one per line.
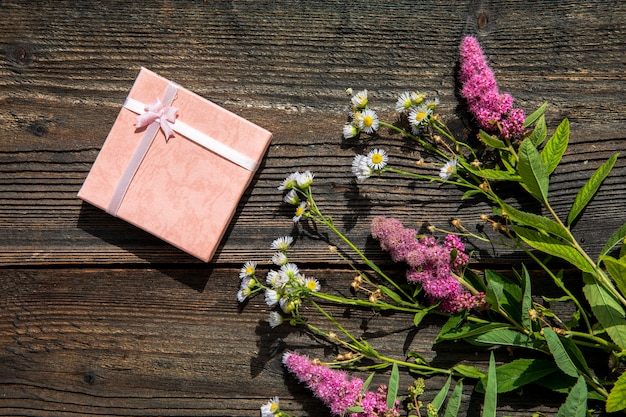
(337,390)
(431,264)
(492,110)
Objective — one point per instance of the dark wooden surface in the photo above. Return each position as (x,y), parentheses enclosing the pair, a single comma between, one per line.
(99,318)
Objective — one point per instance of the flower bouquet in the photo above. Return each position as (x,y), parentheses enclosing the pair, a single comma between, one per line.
(484,308)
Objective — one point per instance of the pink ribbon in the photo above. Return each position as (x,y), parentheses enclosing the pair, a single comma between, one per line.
(156,111)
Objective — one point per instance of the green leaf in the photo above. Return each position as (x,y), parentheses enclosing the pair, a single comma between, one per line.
(454,402)
(453,322)
(437,402)
(576,403)
(419,359)
(491,391)
(554,247)
(491,141)
(541,223)
(468,371)
(607,310)
(530,119)
(555,147)
(527,300)
(590,188)
(390,293)
(539,133)
(419,316)
(506,337)
(367,382)
(617,396)
(392,388)
(503,293)
(615,238)
(561,357)
(469,194)
(533,171)
(617,270)
(473,329)
(355,409)
(520,372)
(494,174)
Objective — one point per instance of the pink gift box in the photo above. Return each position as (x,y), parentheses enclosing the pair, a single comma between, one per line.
(184,189)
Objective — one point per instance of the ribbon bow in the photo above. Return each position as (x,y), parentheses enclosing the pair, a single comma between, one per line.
(158,112)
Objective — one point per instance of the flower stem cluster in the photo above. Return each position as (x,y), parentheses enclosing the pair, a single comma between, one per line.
(494,112)
(433,265)
(342,394)
(284,287)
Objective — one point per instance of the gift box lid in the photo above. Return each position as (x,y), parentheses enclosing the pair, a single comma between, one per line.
(183,185)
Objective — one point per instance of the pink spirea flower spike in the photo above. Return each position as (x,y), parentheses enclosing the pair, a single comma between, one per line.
(431,263)
(493,111)
(337,390)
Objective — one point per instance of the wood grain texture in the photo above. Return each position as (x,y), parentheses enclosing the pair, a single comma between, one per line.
(100,318)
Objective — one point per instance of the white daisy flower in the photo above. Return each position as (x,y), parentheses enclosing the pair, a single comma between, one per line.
(292,198)
(359,100)
(299,212)
(248,269)
(431,104)
(417,98)
(305,179)
(360,168)
(377,159)
(289,182)
(369,121)
(271,408)
(290,270)
(279,258)
(448,169)
(244,290)
(275,319)
(350,131)
(271,297)
(276,280)
(282,243)
(312,284)
(404,102)
(419,116)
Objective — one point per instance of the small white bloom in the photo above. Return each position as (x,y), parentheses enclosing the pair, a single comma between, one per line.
(299,212)
(271,297)
(276,319)
(304,180)
(369,121)
(279,258)
(289,182)
(448,169)
(377,159)
(431,104)
(350,131)
(360,168)
(276,280)
(359,100)
(312,284)
(248,269)
(290,270)
(244,290)
(292,198)
(282,243)
(419,116)
(404,102)
(271,408)
(417,98)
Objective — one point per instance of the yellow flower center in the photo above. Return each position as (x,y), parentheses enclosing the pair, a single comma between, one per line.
(274,407)
(299,211)
(311,285)
(420,116)
(377,158)
(249,270)
(368,121)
